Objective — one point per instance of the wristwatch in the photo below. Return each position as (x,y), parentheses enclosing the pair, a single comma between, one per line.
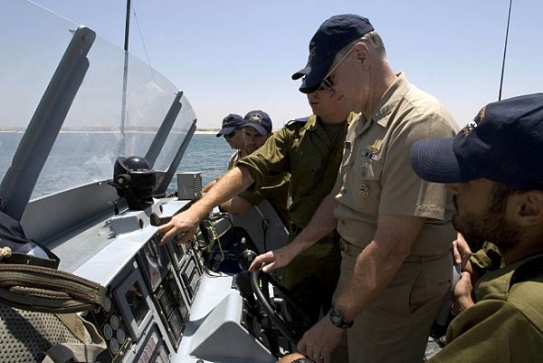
(337,319)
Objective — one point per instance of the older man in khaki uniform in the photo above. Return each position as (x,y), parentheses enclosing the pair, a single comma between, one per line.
(396,228)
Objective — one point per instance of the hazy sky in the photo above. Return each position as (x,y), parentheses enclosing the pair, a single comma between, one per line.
(232,56)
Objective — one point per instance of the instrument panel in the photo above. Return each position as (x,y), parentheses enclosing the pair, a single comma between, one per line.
(166,302)
(149,303)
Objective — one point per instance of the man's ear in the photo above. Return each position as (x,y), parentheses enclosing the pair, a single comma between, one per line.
(361,52)
(530,208)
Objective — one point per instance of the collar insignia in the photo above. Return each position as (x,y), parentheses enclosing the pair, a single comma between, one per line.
(469,128)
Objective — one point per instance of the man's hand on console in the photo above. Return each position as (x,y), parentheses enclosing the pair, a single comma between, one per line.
(184,224)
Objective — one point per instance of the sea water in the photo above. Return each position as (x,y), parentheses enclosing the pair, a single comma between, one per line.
(205,153)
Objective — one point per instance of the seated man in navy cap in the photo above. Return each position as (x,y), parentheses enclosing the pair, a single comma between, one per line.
(257,128)
(231,126)
(493,168)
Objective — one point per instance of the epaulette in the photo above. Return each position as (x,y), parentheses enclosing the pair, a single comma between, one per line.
(297,120)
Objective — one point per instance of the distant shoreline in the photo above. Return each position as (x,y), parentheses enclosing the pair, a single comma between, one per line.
(207,131)
(18,131)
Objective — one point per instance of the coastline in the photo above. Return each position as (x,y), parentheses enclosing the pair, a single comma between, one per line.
(17,131)
(207,131)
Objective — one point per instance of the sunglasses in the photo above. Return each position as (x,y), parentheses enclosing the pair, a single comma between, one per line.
(327,81)
(227,136)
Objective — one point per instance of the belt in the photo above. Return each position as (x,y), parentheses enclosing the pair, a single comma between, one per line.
(422,259)
(353,251)
(332,237)
(349,248)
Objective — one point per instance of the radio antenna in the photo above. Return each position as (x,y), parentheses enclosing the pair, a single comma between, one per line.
(505,50)
(121,151)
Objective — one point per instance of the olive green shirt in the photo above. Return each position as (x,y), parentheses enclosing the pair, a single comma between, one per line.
(506,323)
(275,190)
(487,258)
(303,149)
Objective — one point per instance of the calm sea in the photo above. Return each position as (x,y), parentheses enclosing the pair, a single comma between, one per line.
(206,153)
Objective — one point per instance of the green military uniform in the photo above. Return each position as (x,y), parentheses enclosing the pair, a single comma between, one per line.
(276,191)
(488,258)
(305,149)
(506,323)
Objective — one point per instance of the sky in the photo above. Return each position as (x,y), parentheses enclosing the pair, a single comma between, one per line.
(233,56)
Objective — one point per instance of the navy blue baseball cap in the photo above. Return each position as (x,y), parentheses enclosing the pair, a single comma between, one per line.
(230,123)
(258,120)
(332,36)
(504,143)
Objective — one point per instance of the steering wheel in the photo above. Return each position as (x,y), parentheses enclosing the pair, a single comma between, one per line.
(260,282)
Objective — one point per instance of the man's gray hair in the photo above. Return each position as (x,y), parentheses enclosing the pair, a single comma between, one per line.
(373,39)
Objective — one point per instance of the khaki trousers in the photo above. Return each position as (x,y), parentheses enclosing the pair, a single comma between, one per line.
(395,327)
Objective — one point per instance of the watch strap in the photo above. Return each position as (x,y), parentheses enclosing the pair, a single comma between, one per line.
(338,320)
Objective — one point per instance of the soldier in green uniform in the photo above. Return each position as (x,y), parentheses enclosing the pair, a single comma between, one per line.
(493,168)
(310,149)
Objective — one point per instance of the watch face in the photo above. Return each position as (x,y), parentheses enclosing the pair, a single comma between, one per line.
(336,318)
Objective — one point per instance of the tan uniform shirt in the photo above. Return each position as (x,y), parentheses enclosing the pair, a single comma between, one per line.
(376,172)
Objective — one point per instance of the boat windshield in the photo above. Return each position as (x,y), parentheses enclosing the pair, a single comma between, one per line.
(97,128)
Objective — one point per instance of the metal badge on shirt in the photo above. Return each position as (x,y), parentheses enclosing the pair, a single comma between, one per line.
(369,153)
